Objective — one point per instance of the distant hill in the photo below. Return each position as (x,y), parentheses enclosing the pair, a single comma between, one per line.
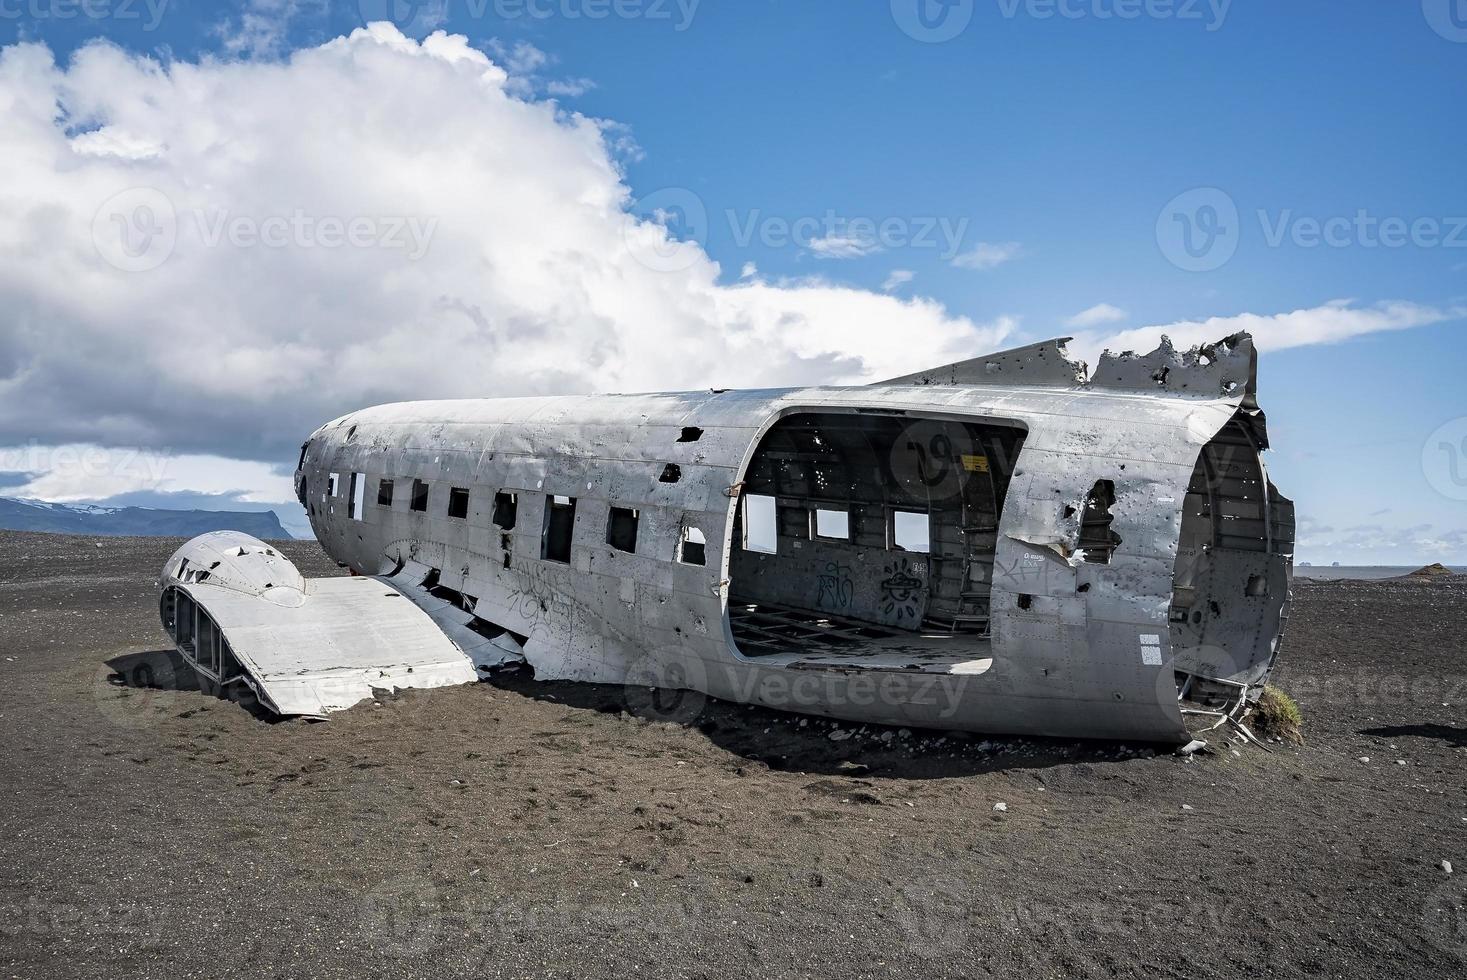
(36,515)
(1432,571)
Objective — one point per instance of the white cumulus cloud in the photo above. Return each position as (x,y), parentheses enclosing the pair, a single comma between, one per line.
(837,246)
(216,257)
(1096,315)
(898,278)
(987,255)
(1332,322)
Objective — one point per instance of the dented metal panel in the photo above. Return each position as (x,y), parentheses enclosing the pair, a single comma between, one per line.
(303,646)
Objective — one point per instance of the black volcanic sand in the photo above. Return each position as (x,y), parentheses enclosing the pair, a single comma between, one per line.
(539,830)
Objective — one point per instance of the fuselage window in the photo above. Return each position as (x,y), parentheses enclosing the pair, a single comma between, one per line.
(505,508)
(384,493)
(621,529)
(458,503)
(420,497)
(833,524)
(911,531)
(560,522)
(358,500)
(692,546)
(760,530)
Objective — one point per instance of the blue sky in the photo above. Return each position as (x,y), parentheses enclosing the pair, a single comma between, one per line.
(1054,137)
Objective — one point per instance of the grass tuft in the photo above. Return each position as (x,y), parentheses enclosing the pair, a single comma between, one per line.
(1276,715)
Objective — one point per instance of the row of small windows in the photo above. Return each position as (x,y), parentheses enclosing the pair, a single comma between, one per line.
(905,531)
(560,518)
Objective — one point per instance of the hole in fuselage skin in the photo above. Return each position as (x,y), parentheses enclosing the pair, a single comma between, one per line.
(1097,539)
(1026,601)
(1236,537)
(691,433)
(863,531)
(671,473)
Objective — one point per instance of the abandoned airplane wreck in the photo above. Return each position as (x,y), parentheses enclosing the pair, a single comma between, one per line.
(1008,544)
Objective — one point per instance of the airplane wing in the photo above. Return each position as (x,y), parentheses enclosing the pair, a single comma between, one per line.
(241,613)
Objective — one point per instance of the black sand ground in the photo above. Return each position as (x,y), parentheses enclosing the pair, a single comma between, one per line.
(527,830)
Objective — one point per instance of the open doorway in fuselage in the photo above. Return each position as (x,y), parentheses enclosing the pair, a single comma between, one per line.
(870,536)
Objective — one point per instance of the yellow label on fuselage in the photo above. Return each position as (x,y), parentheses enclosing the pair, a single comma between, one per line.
(975,464)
